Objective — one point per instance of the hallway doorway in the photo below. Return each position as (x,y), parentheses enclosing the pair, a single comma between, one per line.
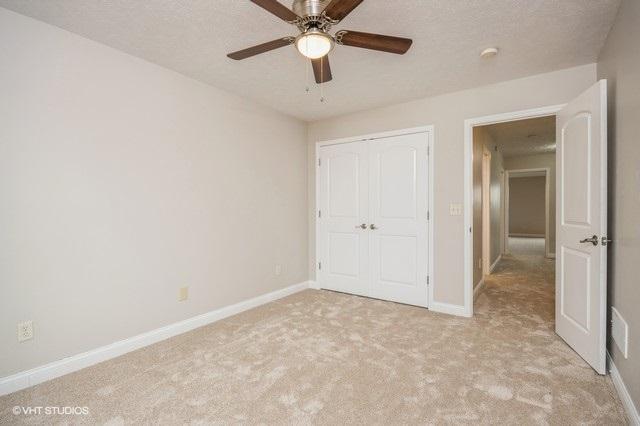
(581,228)
(513,197)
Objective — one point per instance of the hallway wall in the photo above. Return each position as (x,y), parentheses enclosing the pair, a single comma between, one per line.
(482,140)
(540,161)
(527,206)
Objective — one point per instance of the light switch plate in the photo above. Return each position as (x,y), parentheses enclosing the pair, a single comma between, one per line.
(455,209)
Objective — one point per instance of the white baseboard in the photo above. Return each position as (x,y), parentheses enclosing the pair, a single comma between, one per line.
(627,402)
(551,255)
(314,284)
(77,362)
(447,308)
(478,288)
(494,264)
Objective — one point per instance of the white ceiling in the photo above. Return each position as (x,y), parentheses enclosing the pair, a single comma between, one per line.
(194,36)
(525,137)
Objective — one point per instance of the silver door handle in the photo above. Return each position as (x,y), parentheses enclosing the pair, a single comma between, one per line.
(605,241)
(593,240)
(362,226)
(373,227)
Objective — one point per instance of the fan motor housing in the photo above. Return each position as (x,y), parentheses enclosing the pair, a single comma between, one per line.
(304,8)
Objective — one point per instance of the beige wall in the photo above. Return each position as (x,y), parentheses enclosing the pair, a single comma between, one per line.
(540,161)
(527,206)
(478,150)
(483,142)
(120,182)
(447,113)
(497,203)
(620,63)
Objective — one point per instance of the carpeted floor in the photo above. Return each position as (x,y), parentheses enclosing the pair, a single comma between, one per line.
(319,357)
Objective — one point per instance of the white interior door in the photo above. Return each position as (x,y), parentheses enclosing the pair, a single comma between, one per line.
(582,204)
(343,234)
(398,188)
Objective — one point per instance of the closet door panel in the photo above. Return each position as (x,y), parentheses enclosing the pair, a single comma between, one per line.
(343,244)
(398,213)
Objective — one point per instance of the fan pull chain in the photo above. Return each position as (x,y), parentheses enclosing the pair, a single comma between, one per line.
(322,79)
(306,78)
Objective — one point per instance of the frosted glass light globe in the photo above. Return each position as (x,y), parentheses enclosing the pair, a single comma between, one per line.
(314,44)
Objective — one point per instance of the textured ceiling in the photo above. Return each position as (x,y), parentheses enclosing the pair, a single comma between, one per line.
(525,137)
(193,37)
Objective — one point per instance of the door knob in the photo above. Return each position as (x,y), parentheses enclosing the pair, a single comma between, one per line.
(373,227)
(593,240)
(605,241)
(362,226)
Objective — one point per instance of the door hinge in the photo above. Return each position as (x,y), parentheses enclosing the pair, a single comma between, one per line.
(319,265)
(319,162)
(427,279)
(428,215)
(428,150)
(319,213)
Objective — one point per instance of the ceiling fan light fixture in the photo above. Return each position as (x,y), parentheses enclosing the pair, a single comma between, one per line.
(314,44)
(314,19)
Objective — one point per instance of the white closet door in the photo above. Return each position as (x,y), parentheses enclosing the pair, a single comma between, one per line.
(398,188)
(343,244)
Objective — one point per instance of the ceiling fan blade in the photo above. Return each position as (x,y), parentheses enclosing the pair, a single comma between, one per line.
(380,42)
(322,69)
(339,9)
(261,48)
(278,9)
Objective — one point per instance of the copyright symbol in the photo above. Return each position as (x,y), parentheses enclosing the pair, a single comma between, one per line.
(16,410)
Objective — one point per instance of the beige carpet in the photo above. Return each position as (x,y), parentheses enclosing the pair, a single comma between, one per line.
(326,358)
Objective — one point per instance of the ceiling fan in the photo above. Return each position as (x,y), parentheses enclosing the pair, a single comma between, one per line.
(314,19)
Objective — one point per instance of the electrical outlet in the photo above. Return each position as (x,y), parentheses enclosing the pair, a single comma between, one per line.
(25,331)
(183,294)
(278,270)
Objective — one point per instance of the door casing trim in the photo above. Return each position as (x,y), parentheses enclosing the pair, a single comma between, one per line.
(469,124)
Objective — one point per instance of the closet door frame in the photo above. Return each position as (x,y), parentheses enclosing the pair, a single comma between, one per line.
(429,134)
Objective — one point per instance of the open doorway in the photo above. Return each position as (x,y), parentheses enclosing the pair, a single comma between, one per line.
(514,202)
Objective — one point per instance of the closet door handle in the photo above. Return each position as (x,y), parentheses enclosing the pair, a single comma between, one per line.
(362,226)
(373,227)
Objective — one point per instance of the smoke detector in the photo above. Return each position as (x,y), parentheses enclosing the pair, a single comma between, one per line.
(489,52)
